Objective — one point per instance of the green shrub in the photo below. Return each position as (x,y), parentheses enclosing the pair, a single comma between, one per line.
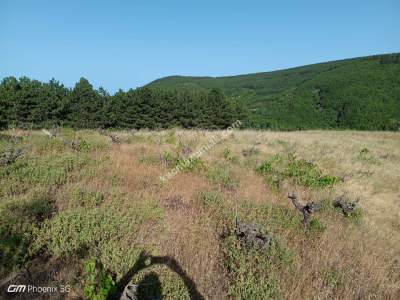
(333,278)
(304,173)
(192,164)
(280,217)
(79,231)
(228,156)
(86,198)
(307,174)
(210,198)
(316,227)
(98,283)
(367,156)
(270,165)
(169,159)
(106,233)
(223,178)
(53,170)
(254,273)
(356,216)
(19,219)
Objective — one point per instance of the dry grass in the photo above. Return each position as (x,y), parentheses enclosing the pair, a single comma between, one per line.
(342,261)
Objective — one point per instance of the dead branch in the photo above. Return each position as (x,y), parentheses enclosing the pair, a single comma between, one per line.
(9,156)
(307,210)
(346,206)
(114,139)
(250,236)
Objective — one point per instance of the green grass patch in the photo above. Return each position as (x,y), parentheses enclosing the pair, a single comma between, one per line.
(81,197)
(222,176)
(367,156)
(277,168)
(98,283)
(229,157)
(210,198)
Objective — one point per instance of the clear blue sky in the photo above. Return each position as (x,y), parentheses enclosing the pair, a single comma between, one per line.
(123,44)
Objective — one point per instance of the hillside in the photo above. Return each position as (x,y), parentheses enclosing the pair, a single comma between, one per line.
(358,93)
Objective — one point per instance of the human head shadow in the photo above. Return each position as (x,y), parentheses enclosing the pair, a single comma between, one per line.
(144,261)
(149,287)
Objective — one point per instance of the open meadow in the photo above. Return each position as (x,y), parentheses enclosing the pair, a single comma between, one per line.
(96,209)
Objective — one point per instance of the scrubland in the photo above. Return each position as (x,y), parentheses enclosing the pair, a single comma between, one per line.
(96,214)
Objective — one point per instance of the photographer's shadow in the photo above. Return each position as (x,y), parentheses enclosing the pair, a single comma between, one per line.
(150,285)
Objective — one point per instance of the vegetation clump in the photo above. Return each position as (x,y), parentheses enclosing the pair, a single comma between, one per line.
(9,156)
(252,151)
(349,209)
(278,168)
(251,236)
(98,283)
(20,218)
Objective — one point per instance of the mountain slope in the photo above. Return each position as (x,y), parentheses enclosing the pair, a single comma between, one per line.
(359,93)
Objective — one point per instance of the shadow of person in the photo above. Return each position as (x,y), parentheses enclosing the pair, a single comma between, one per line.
(149,288)
(145,261)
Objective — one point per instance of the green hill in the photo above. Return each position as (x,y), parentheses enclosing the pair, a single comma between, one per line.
(359,93)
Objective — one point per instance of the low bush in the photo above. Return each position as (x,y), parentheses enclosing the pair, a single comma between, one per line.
(105,233)
(98,283)
(86,198)
(228,156)
(367,156)
(209,198)
(248,152)
(253,273)
(222,177)
(276,168)
(19,219)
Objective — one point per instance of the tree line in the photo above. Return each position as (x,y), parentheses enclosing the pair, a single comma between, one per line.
(25,102)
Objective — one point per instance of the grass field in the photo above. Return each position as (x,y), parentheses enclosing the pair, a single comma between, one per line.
(95,214)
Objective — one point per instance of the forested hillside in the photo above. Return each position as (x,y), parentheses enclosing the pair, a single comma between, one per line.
(360,93)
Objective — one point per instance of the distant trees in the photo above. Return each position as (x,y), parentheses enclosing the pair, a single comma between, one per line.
(85,106)
(26,102)
(359,94)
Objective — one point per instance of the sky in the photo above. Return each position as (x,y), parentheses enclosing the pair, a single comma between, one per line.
(126,44)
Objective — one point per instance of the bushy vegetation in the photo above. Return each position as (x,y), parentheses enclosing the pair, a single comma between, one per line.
(278,168)
(20,218)
(99,284)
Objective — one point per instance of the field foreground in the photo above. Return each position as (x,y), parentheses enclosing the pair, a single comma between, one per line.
(88,209)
